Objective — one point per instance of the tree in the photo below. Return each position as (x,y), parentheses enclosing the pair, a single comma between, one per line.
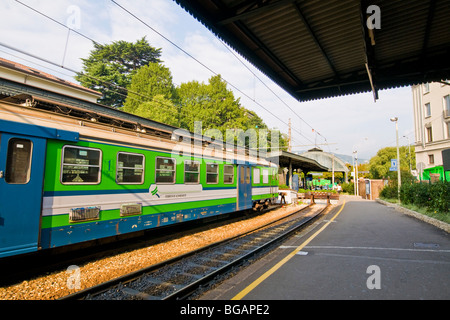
(158,109)
(212,104)
(379,164)
(109,68)
(148,82)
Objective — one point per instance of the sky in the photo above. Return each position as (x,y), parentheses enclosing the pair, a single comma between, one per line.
(341,125)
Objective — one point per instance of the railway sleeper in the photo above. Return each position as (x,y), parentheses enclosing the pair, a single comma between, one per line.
(217,261)
(194,265)
(139,294)
(152,283)
(192,275)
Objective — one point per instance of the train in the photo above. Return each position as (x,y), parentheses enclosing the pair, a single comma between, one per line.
(70,175)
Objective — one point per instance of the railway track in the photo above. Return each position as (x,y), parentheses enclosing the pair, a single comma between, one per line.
(180,277)
(49,261)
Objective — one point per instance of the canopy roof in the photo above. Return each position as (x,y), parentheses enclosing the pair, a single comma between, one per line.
(285,158)
(326,159)
(317,49)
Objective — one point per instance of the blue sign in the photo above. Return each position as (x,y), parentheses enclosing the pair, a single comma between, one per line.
(394,165)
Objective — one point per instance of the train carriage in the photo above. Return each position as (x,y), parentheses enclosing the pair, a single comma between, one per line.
(67,179)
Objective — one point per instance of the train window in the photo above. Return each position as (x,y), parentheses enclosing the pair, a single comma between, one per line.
(241,174)
(165,170)
(191,171)
(228,174)
(256,176)
(130,168)
(18,161)
(265,174)
(212,173)
(80,165)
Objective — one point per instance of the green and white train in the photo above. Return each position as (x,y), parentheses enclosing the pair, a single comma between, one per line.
(71,177)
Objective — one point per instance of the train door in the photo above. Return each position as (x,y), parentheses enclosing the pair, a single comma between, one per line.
(244,187)
(22,161)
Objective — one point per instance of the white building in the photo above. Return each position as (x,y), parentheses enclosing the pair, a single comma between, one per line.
(431,103)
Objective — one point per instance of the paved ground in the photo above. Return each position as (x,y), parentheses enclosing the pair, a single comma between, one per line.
(369,251)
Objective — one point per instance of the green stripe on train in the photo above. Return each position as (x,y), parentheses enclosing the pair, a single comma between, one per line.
(264,196)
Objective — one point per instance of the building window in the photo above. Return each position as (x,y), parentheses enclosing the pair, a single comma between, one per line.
(130,168)
(426,87)
(191,171)
(448,130)
(431,158)
(447,106)
(212,173)
(429,134)
(228,174)
(165,170)
(427,110)
(80,165)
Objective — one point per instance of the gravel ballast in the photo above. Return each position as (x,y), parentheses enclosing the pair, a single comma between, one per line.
(64,282)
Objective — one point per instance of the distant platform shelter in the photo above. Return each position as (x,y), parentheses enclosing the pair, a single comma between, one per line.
(327,160)
(294,162)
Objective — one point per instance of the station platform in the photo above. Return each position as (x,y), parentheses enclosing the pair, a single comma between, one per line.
(361,250)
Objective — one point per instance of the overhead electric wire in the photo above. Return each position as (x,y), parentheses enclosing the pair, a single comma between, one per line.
(96,79)
(254,74)
(119,87)
(56,21)
(201,63)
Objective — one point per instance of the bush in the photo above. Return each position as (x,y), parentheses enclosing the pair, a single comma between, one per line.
(434,197)
(348,188)
(389,191)
(439,196)
(407,193)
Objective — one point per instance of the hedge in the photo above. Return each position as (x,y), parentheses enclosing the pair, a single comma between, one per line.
(434,197)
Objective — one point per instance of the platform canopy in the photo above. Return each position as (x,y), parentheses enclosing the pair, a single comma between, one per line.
(318,49)
(326,159)
(292,160)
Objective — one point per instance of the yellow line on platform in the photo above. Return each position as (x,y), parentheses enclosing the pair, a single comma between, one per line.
(267,274)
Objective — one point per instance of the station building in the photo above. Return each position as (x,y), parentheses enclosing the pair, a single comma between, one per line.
(431,105)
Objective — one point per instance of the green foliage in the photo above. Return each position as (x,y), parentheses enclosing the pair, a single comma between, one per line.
(218,110)
(131,77)
(158,109)
(435,197)
(212,104)
(389,191)
(348,188)
(148,82)
(109,68)
(318,191)
(439,196)
(379,164)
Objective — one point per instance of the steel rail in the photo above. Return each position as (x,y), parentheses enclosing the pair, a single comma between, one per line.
(186,290)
